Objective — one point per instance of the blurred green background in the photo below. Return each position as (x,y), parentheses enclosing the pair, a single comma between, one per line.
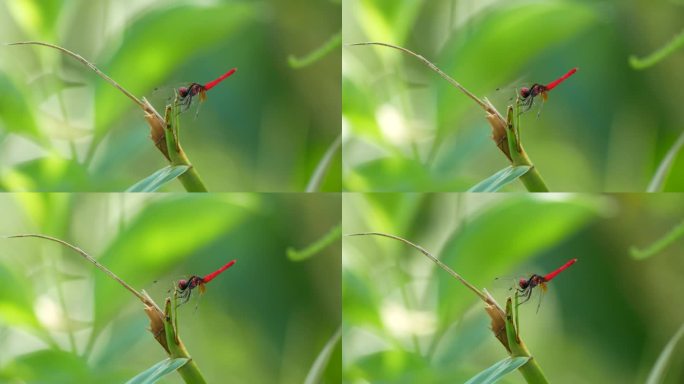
(62,128)
(604,320)
(265,320)
(605,129)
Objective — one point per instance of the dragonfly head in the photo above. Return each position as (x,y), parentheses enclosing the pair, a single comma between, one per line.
(524,92)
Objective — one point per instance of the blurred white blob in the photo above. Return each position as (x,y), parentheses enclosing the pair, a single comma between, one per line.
(392,124)
(49,313)
(403,322)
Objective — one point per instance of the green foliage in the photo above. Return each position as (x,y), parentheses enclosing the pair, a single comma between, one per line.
(500,179)
(154,181)
(497,371)
(656,184)
(49,173)
(407,321)
(161,235)
(15,303)
(323,360)
(264,129)
(247,313)
(157,371)
(16,114)
(409,130)
(49,366)
(657,374)
(324,166)
(155,58)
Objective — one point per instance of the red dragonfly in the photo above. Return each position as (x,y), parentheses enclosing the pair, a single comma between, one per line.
(187,93)
(525,286)
(527,94)
(185,287)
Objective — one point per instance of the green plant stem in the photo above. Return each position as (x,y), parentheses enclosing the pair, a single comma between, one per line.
(531,371)
(666,50)
(93,146)
(434,68)
(660,244)
(435,260)
(189,371)
(532,179)
(151,308)
(334,234)
(333,42)
(190,179)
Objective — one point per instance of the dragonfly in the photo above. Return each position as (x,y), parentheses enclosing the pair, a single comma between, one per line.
(525,286)
(528,94)
(185,286)
(187,93)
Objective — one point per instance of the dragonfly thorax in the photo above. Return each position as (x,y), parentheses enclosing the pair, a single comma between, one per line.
(191,90)
(190,283)
(532,91)
(532,282)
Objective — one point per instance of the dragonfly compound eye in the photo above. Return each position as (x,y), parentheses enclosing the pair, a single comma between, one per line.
(524,92)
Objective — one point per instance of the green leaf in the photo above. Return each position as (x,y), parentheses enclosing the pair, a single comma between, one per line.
(47,174)
(391,366)
(156,180)
(16,304)
(500,179)
(657,373)
(17,113)
(319,173)
(506,234)
(388,175)
(164,232)
(48,366)
(397,174)
(656,184)
(156,44)
(497,371)
(386,20)
(315,375)
(37,18)
(360,300)
(333,235)
(159,370)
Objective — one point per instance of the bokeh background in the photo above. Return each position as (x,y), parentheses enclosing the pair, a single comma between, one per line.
(605,129)
(265,320)
(604,320)
(62,128)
